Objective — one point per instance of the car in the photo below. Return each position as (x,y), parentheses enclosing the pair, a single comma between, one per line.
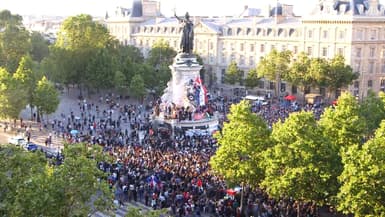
(31,146)
(17,140)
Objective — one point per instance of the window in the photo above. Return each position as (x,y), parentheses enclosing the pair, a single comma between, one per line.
(251,61)
(325,34)
(340,51)
(371,67)
(382,84)
(241,46)
(271,85)
(341,35)
(309,51)
(223,72)
(242,60)
(357,66)
(358,52)
(295,49)
(360,34)
(223,58)
(370,83)
(272,47)
(383,67)
(373,34)
(372,51)
(262,48)
(310,34)
(232,57)
(283,47)
(356,84)
(232,46)
(324,51)
(283,87)
(211,45)
(251,47)
(261,84)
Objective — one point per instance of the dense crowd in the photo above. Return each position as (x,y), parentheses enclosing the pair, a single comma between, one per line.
(164,171)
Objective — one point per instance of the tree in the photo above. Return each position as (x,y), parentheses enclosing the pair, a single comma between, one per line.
(47,97)
(363,179)
(372,109)
(252,80)
(120,82)
(233,74)
(14,40)
(137,86)
(13,96)
(274,67)
(28,76)
(29,183)
(40,47)
(161,54)
(241,143)
(18,169)
(99,72)
(302,163)
(338,74)
(82,37)
(343,124)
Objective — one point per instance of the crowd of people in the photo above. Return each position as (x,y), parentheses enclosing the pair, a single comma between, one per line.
(169,171)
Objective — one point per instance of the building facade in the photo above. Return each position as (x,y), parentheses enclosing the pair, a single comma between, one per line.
(353,28)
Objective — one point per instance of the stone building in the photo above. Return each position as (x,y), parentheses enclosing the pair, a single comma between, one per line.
(353,28)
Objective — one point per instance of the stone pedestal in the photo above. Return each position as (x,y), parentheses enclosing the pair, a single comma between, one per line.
(185,71)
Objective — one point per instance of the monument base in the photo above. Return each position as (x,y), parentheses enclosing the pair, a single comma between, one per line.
(205,126)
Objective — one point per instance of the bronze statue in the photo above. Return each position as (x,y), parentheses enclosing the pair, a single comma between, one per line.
(186,43)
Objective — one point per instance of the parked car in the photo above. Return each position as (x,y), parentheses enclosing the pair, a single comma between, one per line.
(31,147)
(17,140)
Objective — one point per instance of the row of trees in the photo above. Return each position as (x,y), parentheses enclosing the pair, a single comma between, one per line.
(337,160)
(22,80)
(304,72)
(86,55)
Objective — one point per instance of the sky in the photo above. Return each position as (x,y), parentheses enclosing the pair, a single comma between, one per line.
(99,7)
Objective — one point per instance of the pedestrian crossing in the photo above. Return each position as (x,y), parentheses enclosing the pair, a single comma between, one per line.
(123,210)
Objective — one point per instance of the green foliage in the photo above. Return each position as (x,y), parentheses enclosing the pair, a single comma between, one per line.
(100,71)
(161,54)
(302,164)
(13,96)
(47,96)
(79,41)
(9,19)
(120,82)
(233,74)
(29,184)
(274,66)
(14,41)
(39,47)
(252,80)
(372,109)
(28,76)
(241,143)
(338,74)
(343,125)
(137,88)
(363,179)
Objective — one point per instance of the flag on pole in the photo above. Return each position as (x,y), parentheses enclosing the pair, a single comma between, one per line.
(202,91)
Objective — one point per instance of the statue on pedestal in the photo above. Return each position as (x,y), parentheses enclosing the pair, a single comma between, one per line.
(187,41)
